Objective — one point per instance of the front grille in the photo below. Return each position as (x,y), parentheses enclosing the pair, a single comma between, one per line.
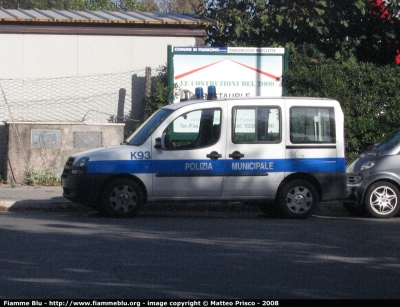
(353,179)
(65,173)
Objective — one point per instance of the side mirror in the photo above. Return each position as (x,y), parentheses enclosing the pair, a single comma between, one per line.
(161,143)
(158,144)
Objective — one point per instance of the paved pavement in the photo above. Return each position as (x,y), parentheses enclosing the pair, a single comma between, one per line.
(49,198)
(24,197)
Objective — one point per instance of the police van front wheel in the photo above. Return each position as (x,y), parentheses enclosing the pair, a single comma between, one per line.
(297,199)
(122,198)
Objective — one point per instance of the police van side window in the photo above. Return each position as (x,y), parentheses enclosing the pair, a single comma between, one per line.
(256,125)
(312,125)
(192,130)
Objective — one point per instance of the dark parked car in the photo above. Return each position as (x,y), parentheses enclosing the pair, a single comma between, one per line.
(373,180)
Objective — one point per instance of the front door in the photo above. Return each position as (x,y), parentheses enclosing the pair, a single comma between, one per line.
(191,163)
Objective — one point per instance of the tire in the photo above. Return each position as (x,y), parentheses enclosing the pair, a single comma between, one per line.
(122,198)
(298,199)
(382,200)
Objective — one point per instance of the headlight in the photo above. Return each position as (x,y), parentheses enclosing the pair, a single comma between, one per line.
(350,168)
(79,166)
(367,165)
(81,162)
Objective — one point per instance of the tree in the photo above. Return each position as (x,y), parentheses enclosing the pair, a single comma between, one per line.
(135,5)
(95,5)
(181,6)
(353,29)
(58,4)
(367,93)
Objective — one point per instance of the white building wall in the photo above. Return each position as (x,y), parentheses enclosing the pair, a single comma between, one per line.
(75,78)
(54,56)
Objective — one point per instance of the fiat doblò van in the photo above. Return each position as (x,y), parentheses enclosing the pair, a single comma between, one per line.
(285,154)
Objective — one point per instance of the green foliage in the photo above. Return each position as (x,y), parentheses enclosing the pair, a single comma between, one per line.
(160,93)
(367,92)
(44,177)
(181,6)
(343,30)
(333,45)
(95,5)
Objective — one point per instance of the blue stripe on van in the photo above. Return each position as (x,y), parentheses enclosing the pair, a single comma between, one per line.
(218,167)
(119,166)
(315,165)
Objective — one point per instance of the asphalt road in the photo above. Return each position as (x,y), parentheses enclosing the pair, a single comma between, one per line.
(197,255)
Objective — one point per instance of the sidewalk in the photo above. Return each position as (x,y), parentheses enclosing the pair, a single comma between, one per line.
(49,198)
(23,197)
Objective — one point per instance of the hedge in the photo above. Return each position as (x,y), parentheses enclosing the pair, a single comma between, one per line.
(369,94)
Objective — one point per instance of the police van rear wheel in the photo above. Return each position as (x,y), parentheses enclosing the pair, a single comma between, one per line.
(297,199)
(122,198)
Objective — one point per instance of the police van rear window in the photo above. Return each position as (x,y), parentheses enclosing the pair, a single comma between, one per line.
(312,125)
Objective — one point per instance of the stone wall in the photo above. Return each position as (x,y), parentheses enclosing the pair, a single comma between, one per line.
(48,145)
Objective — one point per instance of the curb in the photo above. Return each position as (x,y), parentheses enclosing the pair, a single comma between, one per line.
(331,209)
(32,205)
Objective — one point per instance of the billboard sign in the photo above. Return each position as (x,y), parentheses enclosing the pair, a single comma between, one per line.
(234,71)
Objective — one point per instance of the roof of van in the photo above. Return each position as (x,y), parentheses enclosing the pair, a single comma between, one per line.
(180,104)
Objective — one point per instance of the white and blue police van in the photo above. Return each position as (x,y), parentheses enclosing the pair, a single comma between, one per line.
(285,154)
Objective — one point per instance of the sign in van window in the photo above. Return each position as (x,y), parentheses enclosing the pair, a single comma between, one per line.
(195,129)
(190,122)
(256,124)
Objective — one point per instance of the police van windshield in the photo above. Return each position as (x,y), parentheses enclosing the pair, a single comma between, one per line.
(147,128)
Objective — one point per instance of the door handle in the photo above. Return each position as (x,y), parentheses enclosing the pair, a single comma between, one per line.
(214,155)
(236,155)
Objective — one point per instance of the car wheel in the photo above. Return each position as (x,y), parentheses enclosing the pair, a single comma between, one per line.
(297,199)
(382,200)
(122,198)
